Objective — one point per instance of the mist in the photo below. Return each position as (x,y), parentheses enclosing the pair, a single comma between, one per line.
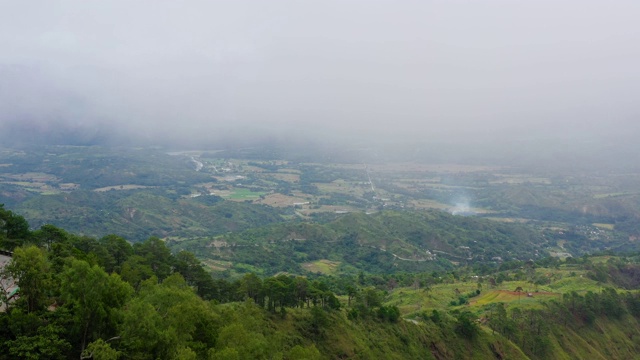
(494,77)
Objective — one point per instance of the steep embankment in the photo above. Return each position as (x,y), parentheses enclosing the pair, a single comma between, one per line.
(604,339)
(337,337)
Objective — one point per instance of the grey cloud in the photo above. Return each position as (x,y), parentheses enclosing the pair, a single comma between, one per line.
(422,70)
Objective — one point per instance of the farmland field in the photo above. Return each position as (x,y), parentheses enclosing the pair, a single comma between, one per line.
(549,202)
(244,194)
(324,266)
(121,187)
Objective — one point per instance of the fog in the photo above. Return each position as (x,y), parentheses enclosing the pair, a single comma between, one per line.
(517,76)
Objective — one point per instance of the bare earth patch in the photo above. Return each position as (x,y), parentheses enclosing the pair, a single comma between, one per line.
(280,200)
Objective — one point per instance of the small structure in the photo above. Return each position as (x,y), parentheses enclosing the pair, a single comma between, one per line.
(8,286)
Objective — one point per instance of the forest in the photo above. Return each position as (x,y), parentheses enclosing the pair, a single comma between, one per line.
(88,298)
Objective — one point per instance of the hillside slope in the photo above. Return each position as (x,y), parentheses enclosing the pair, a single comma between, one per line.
(137,215)
(384,242)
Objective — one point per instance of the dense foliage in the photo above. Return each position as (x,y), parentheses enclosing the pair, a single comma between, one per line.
(88,298)
(381,243)
(81,297)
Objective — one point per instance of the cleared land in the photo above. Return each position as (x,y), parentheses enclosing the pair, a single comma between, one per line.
(326,267)
(243,194)
(280,200)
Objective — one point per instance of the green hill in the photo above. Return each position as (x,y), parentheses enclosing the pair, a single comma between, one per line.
(385,242)
(106,299)
(139,214)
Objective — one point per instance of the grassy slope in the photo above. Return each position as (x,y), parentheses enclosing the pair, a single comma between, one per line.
(411,300)
(606,339)
(372,339)
(338,337)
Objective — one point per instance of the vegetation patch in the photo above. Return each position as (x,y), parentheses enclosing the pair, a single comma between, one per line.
(121,187)
(244,194)
(217,265)
(612,195)
(506,296)
(324,266)
(604,226)
(288,177)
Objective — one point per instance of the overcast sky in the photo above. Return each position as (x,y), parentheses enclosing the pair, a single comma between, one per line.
(455,70)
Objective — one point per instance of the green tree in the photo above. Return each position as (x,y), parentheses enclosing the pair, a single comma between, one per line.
(119,249)
(301,288)
(48,235)
(31,269)
(318,323)
(94,296)
(352,291)
(45,344)
(370,297)
(274,290)
(251,287)
(194,274)
(165,319)
(14,229)
(135,270)
(100,350)
(157,255)
(89,249)
(141,330)
(248,344)
(389,313)
(303,353)
(466,325)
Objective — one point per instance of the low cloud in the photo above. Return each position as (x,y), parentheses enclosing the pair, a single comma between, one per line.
(474,74)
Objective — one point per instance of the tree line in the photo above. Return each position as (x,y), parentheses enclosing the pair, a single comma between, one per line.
(81,297)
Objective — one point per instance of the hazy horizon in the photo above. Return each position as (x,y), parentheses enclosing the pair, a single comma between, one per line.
(516,76)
